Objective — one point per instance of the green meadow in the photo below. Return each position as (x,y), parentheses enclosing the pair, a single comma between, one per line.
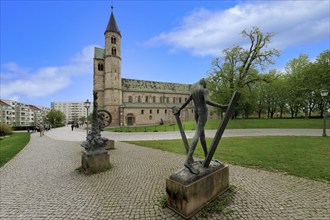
(232,124)
(11,145)
(300,156)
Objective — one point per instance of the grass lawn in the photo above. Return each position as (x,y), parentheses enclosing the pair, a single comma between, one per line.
(300,156)
(10,146)
(233,124)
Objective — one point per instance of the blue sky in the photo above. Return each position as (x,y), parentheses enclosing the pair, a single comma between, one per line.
(47,46)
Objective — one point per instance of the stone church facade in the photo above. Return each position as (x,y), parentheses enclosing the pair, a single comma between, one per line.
(133,101)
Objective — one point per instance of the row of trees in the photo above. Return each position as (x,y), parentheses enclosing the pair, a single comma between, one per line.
(294,91)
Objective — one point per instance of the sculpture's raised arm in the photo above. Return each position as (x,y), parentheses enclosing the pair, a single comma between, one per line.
(214,104)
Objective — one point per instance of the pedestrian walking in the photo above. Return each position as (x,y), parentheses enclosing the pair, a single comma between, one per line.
(41,130)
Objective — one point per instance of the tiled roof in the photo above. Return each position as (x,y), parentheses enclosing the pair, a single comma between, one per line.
(34,107)
(3,103)
(98,53)
(154,86)
(150,105)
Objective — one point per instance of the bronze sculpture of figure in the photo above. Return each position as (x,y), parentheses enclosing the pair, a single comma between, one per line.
(199,96)
(94,142)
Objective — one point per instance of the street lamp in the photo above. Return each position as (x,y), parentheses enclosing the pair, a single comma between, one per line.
(87,104)
(324,94)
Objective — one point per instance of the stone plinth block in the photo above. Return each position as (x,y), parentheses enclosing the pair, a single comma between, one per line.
(110,145)
(188,198)
(93,163)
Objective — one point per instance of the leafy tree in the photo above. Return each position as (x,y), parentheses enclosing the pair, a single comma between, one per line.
(248,102)
(82,119)
(55,117)
(321,77)
(296,95)
(239,68)
(260,100)
(282,86)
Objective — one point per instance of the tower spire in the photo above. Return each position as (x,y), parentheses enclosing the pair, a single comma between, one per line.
(112,25)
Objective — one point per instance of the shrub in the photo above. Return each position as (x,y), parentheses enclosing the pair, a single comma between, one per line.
(5,129)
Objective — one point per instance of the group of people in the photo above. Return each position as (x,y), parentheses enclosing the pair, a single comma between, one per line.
(74,125)
(42,128)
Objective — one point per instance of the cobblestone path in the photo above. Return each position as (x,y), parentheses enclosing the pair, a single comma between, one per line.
(41,182)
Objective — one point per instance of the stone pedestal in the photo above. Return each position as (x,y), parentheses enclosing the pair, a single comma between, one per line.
(95,162)
(188,193)
(110,145)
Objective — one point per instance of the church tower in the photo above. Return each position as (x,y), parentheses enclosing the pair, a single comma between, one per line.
(112,70)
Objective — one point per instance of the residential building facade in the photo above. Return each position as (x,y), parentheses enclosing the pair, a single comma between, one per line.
(73,111)
(18,114)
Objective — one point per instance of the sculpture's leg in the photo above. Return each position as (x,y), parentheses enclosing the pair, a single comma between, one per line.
(193,144)
(192,148)
(203,142)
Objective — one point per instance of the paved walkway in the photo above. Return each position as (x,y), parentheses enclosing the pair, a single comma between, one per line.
(65,133)
(41,183)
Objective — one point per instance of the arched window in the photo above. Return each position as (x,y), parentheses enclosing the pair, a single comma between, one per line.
(113,39)
(113,51)
(147,99)
(130,99)
(161,99)
(173,99)
(154,99)
(100,67)
(130,119)
(180,100)
(139,99)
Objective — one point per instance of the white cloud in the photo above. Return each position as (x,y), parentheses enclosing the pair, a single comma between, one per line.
(17,81)
(205,32)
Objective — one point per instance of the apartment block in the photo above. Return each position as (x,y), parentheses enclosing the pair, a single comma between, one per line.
(18,114)
(73,111)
